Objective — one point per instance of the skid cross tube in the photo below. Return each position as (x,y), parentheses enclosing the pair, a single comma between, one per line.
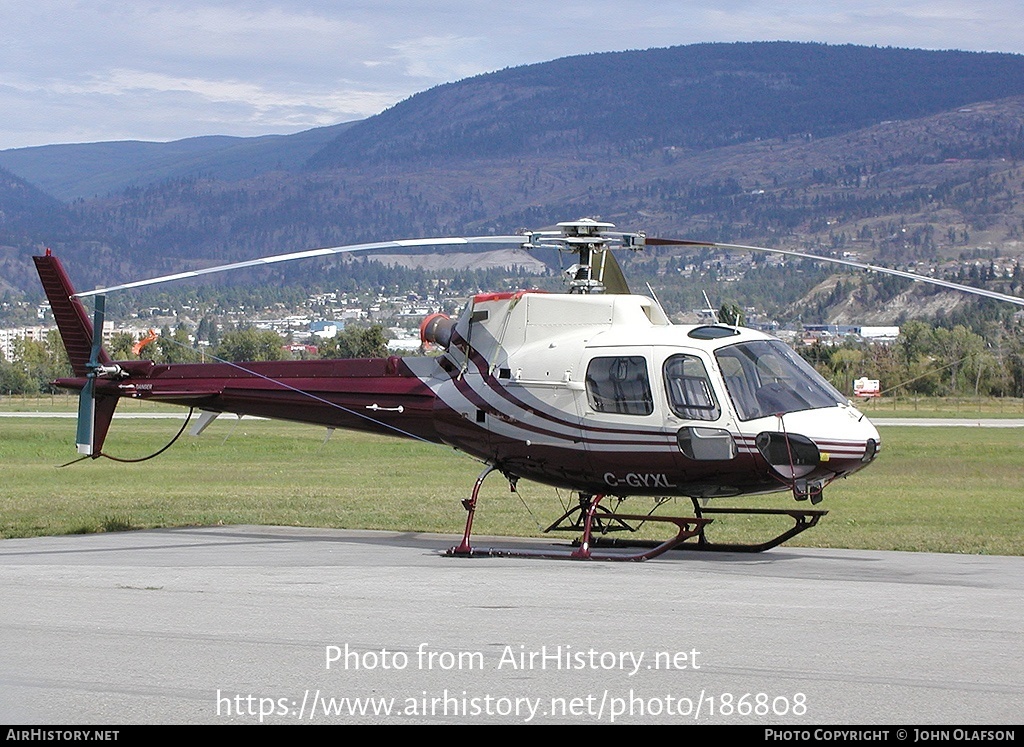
(605,519)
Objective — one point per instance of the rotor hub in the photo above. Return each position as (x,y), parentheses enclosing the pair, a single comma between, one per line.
(588,239)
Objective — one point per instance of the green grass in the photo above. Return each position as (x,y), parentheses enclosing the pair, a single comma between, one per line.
(935,489)
(245,471)
(943,407)
(68,402)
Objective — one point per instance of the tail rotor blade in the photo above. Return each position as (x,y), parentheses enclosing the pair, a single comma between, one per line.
(86,417)
(85,437)
(97,331)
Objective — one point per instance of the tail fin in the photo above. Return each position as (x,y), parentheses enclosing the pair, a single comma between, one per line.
(72,320)
(87,356)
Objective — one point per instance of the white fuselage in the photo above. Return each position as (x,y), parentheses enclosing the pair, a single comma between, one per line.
(602,393)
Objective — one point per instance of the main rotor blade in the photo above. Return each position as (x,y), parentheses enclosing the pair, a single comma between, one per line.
(402,243)
(849,263)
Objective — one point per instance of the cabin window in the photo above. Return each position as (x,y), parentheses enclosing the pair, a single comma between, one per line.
(689,388)
(619,384)
(706,444)
(768,378)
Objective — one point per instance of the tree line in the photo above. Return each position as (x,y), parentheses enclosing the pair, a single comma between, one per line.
(928,361)
(924,360)
(37,363)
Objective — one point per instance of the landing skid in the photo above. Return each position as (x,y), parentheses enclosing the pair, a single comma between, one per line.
(591,515)
(803,519)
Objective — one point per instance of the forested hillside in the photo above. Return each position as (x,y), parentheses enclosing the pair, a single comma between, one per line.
(703,96)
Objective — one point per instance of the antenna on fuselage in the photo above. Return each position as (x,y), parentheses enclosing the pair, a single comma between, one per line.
(657,300)
(708,308)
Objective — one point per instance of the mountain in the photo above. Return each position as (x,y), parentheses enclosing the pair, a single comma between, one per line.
(704,96)
(23,206)
(26,213)
(906,155)
(87,170)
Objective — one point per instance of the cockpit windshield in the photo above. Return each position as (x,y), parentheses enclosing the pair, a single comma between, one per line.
(768,378)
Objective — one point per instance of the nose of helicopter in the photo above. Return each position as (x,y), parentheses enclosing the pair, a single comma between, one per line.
(857,436)
(851,437)
(837,440)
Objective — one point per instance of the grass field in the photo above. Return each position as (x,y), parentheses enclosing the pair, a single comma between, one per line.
(932,489)
(943,407)
(68,402)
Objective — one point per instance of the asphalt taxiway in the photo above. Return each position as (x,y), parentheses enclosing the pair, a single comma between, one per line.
(243,624)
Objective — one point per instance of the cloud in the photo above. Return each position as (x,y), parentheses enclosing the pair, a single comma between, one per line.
(87,109)
(444,58)
(347,99)
(161,70)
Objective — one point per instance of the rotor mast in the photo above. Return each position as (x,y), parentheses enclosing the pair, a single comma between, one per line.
(583,237)
(590,240)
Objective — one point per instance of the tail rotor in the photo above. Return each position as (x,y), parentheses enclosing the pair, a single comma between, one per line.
(84,439)
(95,410)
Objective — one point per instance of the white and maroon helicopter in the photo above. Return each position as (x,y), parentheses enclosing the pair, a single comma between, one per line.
(595,391)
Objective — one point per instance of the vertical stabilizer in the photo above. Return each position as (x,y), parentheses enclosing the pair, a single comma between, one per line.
(72,319)
(85,352)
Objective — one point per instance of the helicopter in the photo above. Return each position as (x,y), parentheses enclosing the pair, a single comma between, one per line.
(595,391)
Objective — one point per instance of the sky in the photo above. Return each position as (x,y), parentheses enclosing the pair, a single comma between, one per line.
(93,70)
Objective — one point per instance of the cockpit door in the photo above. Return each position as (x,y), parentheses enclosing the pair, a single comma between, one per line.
(623,417)
(697,415)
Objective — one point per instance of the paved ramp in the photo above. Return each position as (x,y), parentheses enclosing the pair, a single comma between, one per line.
(242,624)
